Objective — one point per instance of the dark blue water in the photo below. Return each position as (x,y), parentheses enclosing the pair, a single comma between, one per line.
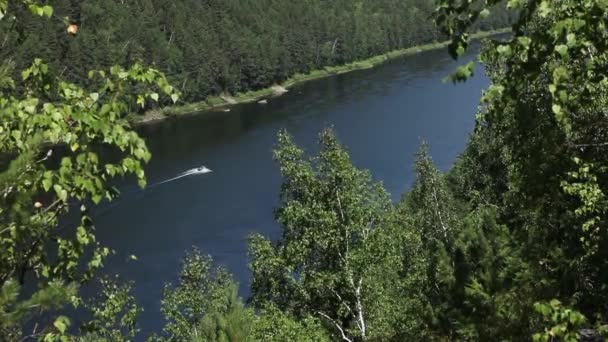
(381,115)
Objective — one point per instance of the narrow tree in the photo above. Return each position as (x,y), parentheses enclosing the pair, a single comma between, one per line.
(339,257)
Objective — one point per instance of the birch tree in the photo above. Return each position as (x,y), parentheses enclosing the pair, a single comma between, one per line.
(339,255)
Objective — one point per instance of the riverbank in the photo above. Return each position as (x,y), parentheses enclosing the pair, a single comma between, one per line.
(226,100)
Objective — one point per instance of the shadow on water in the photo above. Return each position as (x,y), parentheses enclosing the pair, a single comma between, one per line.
(380,114)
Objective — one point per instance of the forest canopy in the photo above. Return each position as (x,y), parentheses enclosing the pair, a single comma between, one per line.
(214,46)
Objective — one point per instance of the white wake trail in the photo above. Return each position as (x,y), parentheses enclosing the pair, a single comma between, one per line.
(196,171)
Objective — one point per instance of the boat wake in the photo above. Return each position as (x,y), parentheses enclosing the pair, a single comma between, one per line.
(196,171)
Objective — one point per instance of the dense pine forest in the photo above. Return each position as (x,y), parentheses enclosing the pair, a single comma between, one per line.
(510,244)
(215,46)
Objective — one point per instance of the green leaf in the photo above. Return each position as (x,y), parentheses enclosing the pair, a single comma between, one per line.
(516,4)
(571,39)
(36,10)
(25,74)
(524,41)
(552,88)
(46,184)
(96,261)
(504,50)
(154,96)
(82,236)
(174,97)
(562,50)
(48,10)
(3,5)
(61,323)
(60,192)
(96,198)
(460,50)
(141,101)
(557,109)
(544,9)
(94,96)
(105,108)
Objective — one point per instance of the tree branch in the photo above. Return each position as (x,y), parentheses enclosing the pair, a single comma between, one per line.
(360,318)
(359,306)
(340,205)
(342,301)
(443,225)
(344,337)
(591,145)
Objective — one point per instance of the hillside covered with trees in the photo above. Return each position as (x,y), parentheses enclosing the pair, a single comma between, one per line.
(510,244)
(214,46)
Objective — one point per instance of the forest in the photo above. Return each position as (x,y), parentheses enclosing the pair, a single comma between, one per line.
(509,244)
(218,46)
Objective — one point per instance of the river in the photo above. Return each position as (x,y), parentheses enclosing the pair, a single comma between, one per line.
(380,114)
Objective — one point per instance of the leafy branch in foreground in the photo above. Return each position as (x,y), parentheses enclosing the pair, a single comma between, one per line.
(114,313)
(540,139)
(50,133)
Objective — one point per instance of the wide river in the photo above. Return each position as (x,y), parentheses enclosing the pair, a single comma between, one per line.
(381,115)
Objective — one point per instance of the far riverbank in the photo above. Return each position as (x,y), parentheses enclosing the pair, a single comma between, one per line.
(226,100)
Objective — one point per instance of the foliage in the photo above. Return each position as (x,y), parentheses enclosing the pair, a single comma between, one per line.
(486,263)
(565,322)
(341,254)
(539,149)
(114,313)
(211,47)
(15,311)
(204,306)
(35,8)
(50,133)
(230,323)
(431,208)
(273,325)
(469,259)
(39,185)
